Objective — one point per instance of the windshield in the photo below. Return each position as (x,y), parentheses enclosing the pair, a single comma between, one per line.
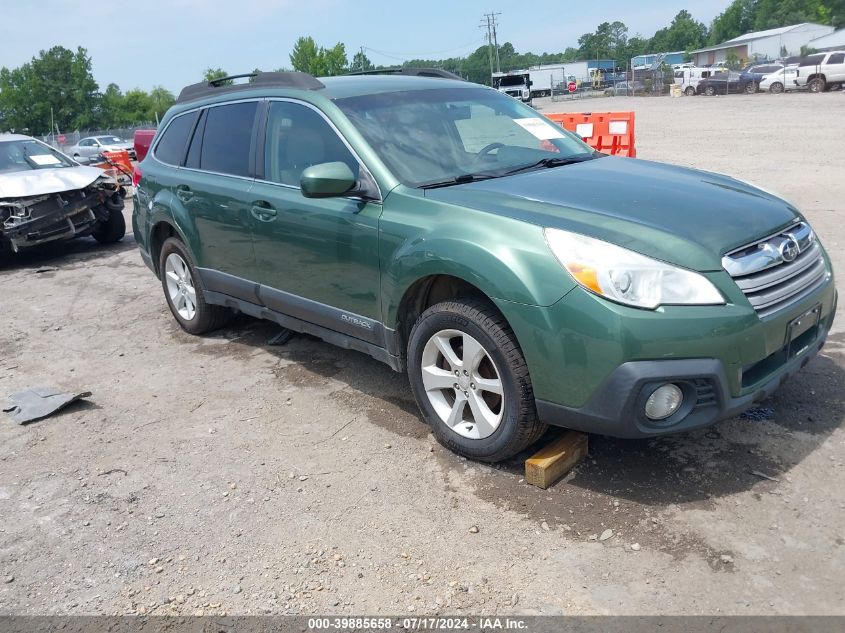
(30,154)
(109,140)
(517,80)
(430,136)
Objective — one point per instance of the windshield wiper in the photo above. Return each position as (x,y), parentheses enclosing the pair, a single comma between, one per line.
(554,162)
(457,180)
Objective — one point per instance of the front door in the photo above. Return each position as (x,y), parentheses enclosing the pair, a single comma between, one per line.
(316,259)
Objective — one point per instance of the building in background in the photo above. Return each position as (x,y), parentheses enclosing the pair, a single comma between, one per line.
(763,45)
(831,42)
(647,61)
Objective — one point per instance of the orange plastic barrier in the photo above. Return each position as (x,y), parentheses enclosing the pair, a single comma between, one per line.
(610,132)
(120,159)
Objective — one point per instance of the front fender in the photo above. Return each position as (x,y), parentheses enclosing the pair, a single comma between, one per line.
(506,259)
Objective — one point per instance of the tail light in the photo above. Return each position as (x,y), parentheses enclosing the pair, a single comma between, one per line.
(136,175)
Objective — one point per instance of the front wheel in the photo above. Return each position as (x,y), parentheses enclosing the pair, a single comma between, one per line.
(471,382)
(113,228)
(776,88)
(710,91)
(751,88)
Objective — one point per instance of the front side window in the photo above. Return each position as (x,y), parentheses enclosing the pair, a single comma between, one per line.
(227,138)
(297,138)
(429,136)
(171,148)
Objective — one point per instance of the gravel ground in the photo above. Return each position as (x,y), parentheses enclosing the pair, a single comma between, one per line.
(218,474)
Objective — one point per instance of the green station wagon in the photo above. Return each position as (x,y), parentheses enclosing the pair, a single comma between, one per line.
(520,278)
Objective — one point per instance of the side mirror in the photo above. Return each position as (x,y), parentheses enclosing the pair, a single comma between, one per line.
(327,180)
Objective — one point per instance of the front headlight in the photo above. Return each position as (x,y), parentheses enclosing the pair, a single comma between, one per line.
(628,277)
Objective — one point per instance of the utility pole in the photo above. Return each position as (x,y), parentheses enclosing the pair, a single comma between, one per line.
(486,22)
(362,60)
(492,39)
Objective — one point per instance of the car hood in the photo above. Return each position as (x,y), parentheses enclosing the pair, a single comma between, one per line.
(36,182)
(679,215)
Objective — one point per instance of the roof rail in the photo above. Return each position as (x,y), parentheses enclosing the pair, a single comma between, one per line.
(302,81)
(413,72)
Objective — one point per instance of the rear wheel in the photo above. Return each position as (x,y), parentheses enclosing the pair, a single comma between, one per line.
(690,91)
(751,88)
(710,91)
(184,294)
(471,382)
(776,88)
(817,84)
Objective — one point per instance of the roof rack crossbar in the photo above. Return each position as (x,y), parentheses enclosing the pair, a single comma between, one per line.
(301,81)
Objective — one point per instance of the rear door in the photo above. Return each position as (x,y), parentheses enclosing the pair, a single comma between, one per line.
(213,186)
(317,259)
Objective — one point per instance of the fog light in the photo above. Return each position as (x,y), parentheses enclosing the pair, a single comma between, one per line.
(663,402)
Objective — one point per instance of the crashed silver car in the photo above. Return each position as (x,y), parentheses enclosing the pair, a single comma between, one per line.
(47,196)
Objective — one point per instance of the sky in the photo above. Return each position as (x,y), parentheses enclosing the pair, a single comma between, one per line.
(145,43)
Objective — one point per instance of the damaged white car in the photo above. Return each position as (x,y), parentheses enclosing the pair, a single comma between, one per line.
(46,196)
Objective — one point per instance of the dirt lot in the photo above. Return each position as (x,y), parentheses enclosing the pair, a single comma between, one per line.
(218,474)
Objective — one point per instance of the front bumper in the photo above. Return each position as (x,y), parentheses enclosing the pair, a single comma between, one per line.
(616,407)
(593,363)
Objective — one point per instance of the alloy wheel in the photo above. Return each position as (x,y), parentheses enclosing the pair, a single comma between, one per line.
(180,286)
(463,384)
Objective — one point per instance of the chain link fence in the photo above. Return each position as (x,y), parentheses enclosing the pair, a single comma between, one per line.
(63,142)
(632,83)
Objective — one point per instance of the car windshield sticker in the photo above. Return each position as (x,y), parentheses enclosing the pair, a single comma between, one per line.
(539,128)
(45,159)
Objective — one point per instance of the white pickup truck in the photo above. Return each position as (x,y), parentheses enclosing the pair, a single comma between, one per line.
(821,71)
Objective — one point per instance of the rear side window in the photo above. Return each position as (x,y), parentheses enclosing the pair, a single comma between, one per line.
(812,60)
(837,58)
(171,148)
(227,138)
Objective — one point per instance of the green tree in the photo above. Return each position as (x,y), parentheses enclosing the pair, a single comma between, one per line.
(304,56)
(112,106)
(361,62)
(57,85)
(307,57)
(215,74)
(737,19)
(161,100)
(683,34)
(333,61)
(137,107)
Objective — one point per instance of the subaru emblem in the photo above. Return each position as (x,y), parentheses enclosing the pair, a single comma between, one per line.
(789,249)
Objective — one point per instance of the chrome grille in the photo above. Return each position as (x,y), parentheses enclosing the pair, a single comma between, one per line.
(779,270)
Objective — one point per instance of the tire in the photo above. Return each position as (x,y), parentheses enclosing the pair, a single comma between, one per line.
(816,84)
(186,300)
(690,91)
(750,88)
(710,91)
(776,88)
(114,228)
(492,426)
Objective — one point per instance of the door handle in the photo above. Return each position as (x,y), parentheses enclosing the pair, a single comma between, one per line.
(263,211)
(184,193)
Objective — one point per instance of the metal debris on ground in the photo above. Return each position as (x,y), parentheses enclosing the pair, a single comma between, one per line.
(282,337)
(38,403)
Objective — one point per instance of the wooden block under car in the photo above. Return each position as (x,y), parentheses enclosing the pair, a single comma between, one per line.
(553,461)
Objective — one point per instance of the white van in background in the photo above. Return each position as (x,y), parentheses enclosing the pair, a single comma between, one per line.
(689,78)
